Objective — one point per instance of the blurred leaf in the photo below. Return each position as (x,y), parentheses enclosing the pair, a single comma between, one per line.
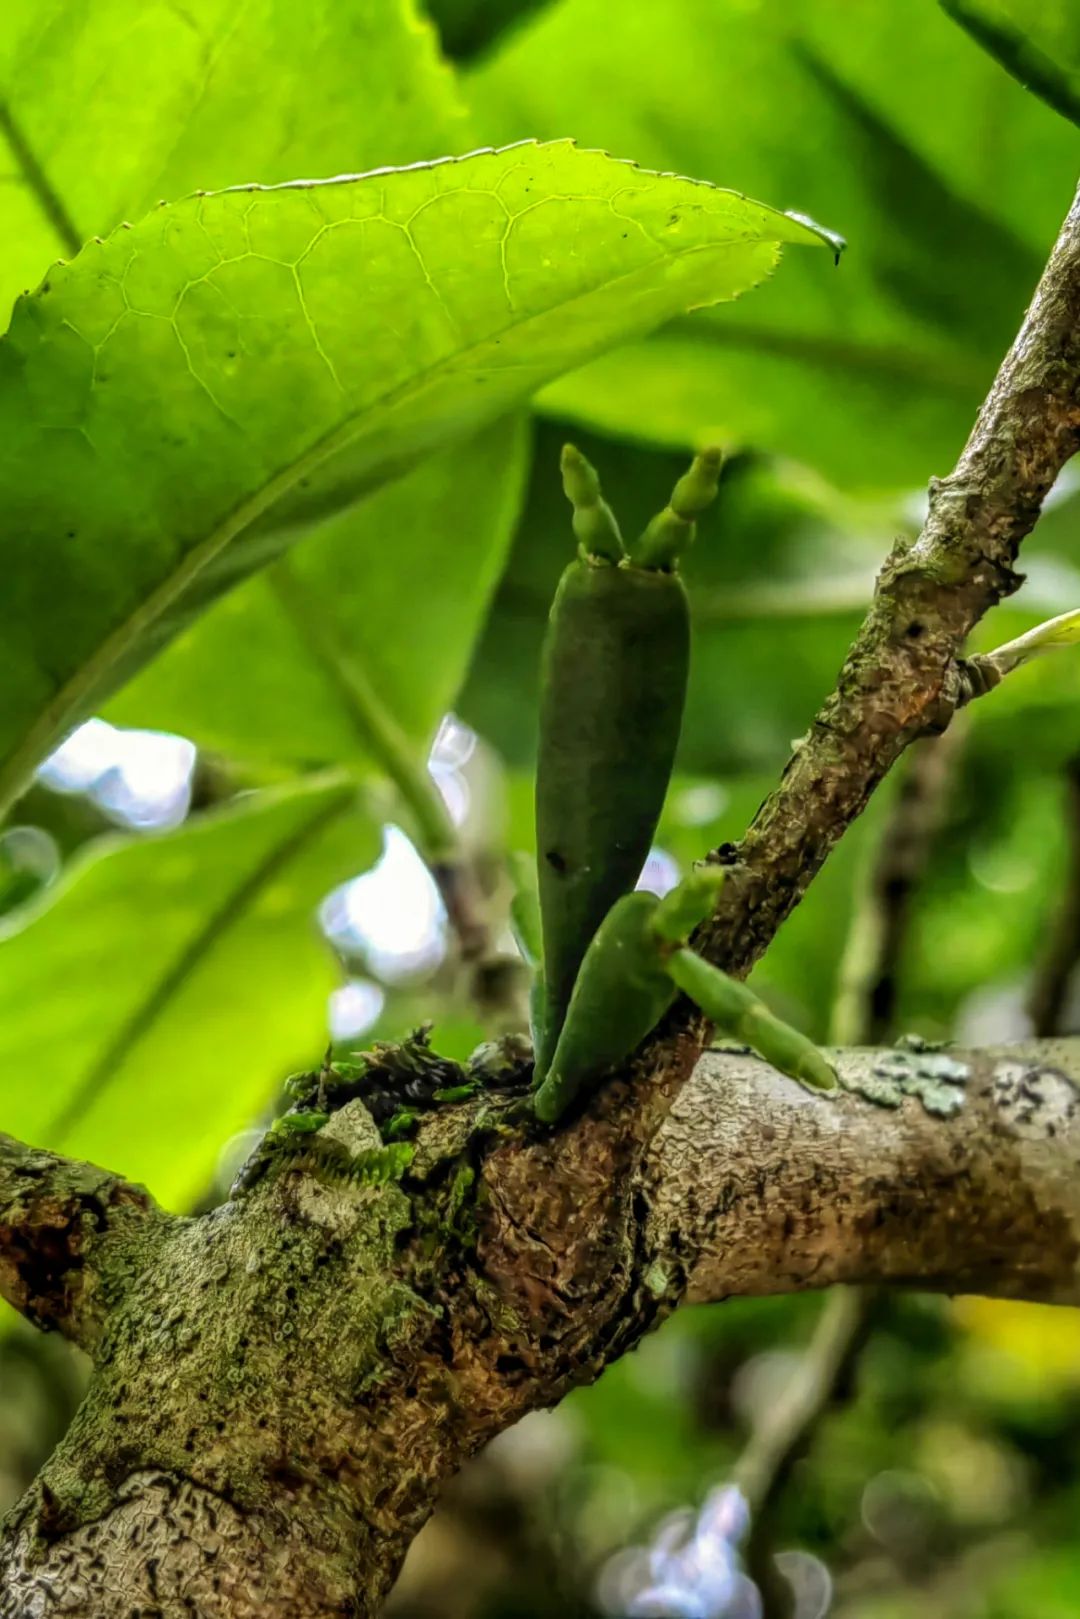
(224,95)
(338,612)
(872,374)
(1037,41)
(149,1008)
(1044,1337)
(188,391)
(980,916)
(468,27)
(1046,1583)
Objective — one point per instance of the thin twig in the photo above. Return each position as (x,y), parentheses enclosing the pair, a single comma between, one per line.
(865,1007)
(900,679)
(863,1014)
(1049,990)
(787,1429)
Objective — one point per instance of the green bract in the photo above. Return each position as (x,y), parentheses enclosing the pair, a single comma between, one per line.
(613,684)
(621,993)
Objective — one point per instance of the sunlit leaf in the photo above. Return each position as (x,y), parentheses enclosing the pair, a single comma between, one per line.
(185,394)
(238,111)
(149,1008)
(105,108)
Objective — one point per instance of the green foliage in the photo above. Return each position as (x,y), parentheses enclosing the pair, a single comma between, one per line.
(152,995)
(148,1006)
(224,95)
(324,669)
(468,27)
(1038,43)
(873,374)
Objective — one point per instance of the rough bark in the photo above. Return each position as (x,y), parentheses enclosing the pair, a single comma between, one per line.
(760,1187)
(67,1232)
(276,1456)
(901,678)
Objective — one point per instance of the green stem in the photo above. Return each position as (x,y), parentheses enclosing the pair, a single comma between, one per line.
(671,531)
(379,732)
(49,200)
(737,1011)
(595,526)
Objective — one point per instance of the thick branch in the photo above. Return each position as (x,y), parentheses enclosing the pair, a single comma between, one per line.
(756,1186)
(67,1232)
(900,677)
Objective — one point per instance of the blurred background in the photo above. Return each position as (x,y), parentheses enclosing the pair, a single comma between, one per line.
(939,1471)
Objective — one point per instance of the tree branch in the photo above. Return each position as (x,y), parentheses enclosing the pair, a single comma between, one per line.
(66,1236)
(900,677)
(282,1391)
(757,1186)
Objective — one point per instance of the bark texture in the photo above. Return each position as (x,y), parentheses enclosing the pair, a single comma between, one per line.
(276,1456)
(761,1187)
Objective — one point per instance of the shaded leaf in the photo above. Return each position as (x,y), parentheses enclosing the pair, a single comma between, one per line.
(391,595)
(1038,43)
(149,1007)
(469,27)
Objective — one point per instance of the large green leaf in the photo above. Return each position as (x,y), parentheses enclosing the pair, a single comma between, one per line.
(872,375)
(203,942)
(206,121)
(380,606)
(192,389)
(1038,41)
(105,107)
